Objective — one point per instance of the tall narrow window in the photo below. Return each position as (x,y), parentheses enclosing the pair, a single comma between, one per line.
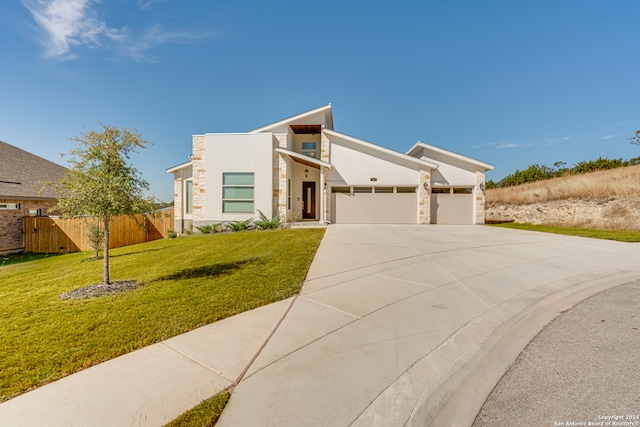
(188,202)
(237,192)
(289,193)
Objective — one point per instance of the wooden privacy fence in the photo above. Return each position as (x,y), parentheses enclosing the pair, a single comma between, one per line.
(54,235)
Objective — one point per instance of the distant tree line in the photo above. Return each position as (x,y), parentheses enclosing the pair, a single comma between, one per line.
(536,172)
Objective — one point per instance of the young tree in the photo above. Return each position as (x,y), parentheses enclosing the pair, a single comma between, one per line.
(101,182)
(635,139)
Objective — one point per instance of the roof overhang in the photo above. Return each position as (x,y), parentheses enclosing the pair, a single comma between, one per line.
(181,166)
(299,118)
(380,149)
(423,145)
(301,158)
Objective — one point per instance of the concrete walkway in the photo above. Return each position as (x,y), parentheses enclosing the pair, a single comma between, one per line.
(395,325)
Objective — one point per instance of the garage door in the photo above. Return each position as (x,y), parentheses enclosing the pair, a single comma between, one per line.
(452,205)
(374,205)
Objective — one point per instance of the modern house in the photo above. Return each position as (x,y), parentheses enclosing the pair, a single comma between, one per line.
(301,169)
(22,192)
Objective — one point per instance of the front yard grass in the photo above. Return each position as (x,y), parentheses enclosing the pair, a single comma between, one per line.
(619,235)
(187,282)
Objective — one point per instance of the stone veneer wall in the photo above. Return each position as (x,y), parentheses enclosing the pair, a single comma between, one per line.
(280,179)
(199,177)
(11,222)
(325,156)
(479,198)
(424,196)
(177,202)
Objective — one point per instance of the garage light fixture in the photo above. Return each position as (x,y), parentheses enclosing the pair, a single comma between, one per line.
(482,187)
(426,185)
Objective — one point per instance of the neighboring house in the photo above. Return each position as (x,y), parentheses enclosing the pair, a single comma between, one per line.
(22,192)
(301,169)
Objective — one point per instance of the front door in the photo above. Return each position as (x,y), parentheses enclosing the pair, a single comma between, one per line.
(308,200)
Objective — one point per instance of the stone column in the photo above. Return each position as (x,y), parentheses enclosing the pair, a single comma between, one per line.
(424,196)
(177,201)
(198,159)
(280,179)
(325,148)
(479,198)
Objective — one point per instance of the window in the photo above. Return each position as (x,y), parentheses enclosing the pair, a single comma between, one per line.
(341,189)
(289,193)
(406,190)
(466,190)
(383,189)
(12,206)
(309,149)
(188,199)
(237,192)
(362,189)
(440,191)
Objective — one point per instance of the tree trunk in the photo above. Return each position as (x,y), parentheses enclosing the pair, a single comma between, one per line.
(105,274)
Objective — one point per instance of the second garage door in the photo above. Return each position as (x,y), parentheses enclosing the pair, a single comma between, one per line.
(452,205)
(374,205)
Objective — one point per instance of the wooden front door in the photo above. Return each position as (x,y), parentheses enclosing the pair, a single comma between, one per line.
(308,200)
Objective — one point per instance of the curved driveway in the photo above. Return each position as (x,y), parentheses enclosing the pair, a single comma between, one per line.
(414,325)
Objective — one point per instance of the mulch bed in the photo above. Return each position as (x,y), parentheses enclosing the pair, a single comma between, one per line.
(101,289)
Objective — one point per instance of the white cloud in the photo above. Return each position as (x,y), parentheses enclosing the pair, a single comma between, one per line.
(607,137)
(138,47)
(68,24)
(555,141)
(511,145)
(502,145)
(148,4)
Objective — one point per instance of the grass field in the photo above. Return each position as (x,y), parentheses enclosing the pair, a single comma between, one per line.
(620,182)
(186,283)
(621,236)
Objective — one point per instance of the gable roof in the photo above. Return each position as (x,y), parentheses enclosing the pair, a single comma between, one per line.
(380,149)
(322,115)
(415,150)
(23,175)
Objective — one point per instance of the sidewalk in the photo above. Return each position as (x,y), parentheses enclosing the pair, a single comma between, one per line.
(151,386)
(395,325)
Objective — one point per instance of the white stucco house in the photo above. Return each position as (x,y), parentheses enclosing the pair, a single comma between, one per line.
(301,169)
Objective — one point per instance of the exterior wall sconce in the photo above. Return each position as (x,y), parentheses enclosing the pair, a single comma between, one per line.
(426,185)
(374,179)
(306,173)
(482,187)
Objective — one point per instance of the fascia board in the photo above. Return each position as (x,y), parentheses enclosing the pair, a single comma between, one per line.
(294,118)
(180,166)
(381,149)
(303,157)
(457,156)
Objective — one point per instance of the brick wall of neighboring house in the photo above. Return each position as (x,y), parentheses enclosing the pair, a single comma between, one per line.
(11,222)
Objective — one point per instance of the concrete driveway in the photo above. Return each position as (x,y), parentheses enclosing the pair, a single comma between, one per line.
(395,326)
(414,325)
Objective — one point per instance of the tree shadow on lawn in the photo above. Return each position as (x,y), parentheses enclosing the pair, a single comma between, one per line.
(17,258)
(144,251)
(213,270)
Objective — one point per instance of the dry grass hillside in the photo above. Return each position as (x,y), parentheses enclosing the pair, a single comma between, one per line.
(607,199)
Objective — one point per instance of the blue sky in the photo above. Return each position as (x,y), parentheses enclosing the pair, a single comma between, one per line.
(507,82)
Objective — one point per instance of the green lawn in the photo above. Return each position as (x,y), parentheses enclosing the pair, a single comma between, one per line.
(206,414)
(188,282)
(619,235)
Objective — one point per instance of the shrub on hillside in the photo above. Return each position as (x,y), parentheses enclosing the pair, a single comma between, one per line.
(536,172)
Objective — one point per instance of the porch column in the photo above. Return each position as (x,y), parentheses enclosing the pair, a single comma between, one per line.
(322,196)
